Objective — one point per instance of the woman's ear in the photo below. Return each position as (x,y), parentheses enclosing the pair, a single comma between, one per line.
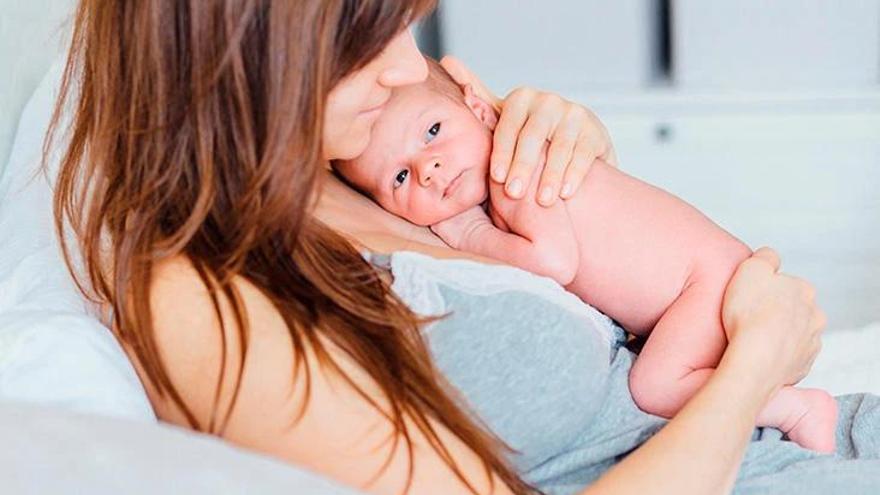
(482,110)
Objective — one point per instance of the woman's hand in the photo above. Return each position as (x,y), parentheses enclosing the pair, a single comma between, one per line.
(528,120)
(772,320)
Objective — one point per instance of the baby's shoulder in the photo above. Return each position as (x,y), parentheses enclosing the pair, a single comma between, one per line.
(504,204)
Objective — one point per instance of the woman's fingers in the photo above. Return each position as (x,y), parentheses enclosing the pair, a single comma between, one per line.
(586,151)
(531,144)
(772,319)
(581,159)
(507,133)
(587,140)
(528,120)
(527,156)
(463,76)
(560,157)
(769,256)
(538,130)
(592,142)
(562,160)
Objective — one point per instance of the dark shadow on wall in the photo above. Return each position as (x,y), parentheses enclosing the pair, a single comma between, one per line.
(428,35)
(663,43)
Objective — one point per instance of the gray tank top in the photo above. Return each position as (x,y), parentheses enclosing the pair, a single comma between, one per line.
(541,369)
(548,375)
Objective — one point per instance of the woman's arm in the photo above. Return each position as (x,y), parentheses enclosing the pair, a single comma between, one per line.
(773,326)
(700,450)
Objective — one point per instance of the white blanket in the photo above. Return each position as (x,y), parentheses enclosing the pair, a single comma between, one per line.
(849,362)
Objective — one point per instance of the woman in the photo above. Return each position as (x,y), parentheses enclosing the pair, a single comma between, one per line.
(201,133)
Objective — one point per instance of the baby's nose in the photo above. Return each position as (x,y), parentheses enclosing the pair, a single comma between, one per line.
(427,171)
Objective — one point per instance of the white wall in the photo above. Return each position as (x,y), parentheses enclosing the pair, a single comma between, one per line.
(797,170)
(780,44)
(560,45)
(801,176)
(769,120)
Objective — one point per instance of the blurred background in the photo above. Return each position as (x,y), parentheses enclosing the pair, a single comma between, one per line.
(764,114)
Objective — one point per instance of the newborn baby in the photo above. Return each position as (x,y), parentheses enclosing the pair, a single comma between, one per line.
(639,254)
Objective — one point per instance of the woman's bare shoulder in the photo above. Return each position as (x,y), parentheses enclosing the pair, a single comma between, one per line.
(288,405)
(191,335)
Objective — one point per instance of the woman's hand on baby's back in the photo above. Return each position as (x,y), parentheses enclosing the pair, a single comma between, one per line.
(772,321)
(528,120)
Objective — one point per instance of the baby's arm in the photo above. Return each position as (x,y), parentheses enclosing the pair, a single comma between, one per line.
(541,240)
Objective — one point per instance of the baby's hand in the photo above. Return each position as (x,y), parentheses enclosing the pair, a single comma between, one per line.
(456,231)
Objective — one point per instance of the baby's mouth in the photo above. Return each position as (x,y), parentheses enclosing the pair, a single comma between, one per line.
(453,185)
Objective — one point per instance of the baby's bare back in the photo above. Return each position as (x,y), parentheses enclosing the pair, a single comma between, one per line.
(640,247)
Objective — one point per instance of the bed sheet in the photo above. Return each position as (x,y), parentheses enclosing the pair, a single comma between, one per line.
(849,361)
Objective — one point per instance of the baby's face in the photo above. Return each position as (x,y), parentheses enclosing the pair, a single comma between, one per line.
(428,156)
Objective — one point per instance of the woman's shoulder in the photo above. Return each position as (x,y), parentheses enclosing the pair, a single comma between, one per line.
(285,404)
(187,310)
(179,291)
(198,337)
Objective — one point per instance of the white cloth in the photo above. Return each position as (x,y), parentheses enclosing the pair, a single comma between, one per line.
(51,350)
(48,451)
(849,362)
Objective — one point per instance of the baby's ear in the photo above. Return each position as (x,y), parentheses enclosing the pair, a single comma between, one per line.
(480,108)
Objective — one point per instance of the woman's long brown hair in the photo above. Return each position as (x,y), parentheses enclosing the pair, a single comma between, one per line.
(196,131)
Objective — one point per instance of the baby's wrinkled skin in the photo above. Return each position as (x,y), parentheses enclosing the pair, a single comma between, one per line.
(642,256)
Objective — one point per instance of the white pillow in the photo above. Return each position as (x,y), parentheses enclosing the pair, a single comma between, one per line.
(49,451)
(51,349)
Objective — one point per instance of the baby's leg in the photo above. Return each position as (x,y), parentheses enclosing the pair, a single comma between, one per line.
(681,353)
(682,350)
(807,416)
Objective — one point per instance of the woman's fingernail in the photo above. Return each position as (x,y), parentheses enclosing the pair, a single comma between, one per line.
(498,174)
(546,195)
(515,187)
(566,190)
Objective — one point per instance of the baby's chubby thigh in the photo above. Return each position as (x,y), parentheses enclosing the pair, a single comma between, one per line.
(688,341)
(659,267)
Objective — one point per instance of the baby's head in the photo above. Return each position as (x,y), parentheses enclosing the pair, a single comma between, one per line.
(428,157)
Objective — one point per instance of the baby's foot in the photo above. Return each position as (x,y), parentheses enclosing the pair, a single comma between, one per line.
(815,427)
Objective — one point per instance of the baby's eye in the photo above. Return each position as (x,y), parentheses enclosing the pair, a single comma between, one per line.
(432,132)
(400,178)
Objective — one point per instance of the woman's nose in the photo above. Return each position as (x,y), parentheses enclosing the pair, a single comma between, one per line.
(426,170)
(405,64)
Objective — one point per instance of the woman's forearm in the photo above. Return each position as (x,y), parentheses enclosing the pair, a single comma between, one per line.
(700,450)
